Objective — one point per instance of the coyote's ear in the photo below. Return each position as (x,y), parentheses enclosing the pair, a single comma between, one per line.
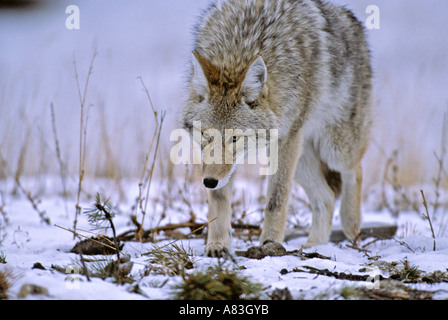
(204,73)
(254,79)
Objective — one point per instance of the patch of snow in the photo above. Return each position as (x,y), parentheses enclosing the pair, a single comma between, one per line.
(28,241)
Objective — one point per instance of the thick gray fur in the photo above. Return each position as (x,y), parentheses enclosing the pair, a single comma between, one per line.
(301,67)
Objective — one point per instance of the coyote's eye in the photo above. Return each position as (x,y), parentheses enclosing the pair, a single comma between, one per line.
(206,136)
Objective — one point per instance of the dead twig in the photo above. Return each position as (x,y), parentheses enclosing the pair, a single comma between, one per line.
(146,178)
(193,232)
(130,234)
(34,203)
(59,156)
(82,134)
(426,216)
(400,199)
(328,273)
(89,238)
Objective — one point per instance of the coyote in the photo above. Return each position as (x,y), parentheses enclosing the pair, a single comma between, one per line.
(301,67)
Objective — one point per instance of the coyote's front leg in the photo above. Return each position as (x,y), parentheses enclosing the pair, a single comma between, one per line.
(219,230)
(279,189)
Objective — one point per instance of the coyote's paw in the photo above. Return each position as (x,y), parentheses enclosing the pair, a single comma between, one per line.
(216,250)
(310,244)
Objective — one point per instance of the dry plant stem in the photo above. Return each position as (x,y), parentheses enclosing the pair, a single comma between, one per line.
(402,243)
(425,204)
(3,167)
(124,236)
(59,157)
(440,161)
(147,178)
(81,235)
(2,209)
(149,98)
(438,179)
(401,199)
(386,203)
(98,235)
(192,232)
(183,192)
(18,174)
(441,172)
(109,218)
(21,160)
(84,267)
(151,171)
(177,226)
(34,203)
(82,134)
(145,166)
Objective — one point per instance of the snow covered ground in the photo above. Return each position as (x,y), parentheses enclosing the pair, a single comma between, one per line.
(26,241)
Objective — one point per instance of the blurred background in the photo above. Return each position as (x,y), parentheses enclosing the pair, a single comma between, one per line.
(152,40)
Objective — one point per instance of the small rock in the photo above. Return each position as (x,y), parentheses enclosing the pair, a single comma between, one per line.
(284,271)
(281,294)
(38,265)
(125,265)
(125,258)
(272,248)
(96,246)
(254,253)
(269,248)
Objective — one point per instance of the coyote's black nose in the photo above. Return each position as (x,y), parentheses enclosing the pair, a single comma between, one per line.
(210,183)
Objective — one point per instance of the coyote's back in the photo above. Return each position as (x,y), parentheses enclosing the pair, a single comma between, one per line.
(301,67)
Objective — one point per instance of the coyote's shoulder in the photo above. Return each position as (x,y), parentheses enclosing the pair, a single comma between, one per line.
(301,67)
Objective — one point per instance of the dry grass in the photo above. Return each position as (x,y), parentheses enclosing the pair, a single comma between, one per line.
(62,169)
(82,133)
(147,174)
(216,284)
(428,218)
(171,260)
(5,284)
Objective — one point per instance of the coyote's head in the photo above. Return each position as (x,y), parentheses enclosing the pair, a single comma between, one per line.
(225,111)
